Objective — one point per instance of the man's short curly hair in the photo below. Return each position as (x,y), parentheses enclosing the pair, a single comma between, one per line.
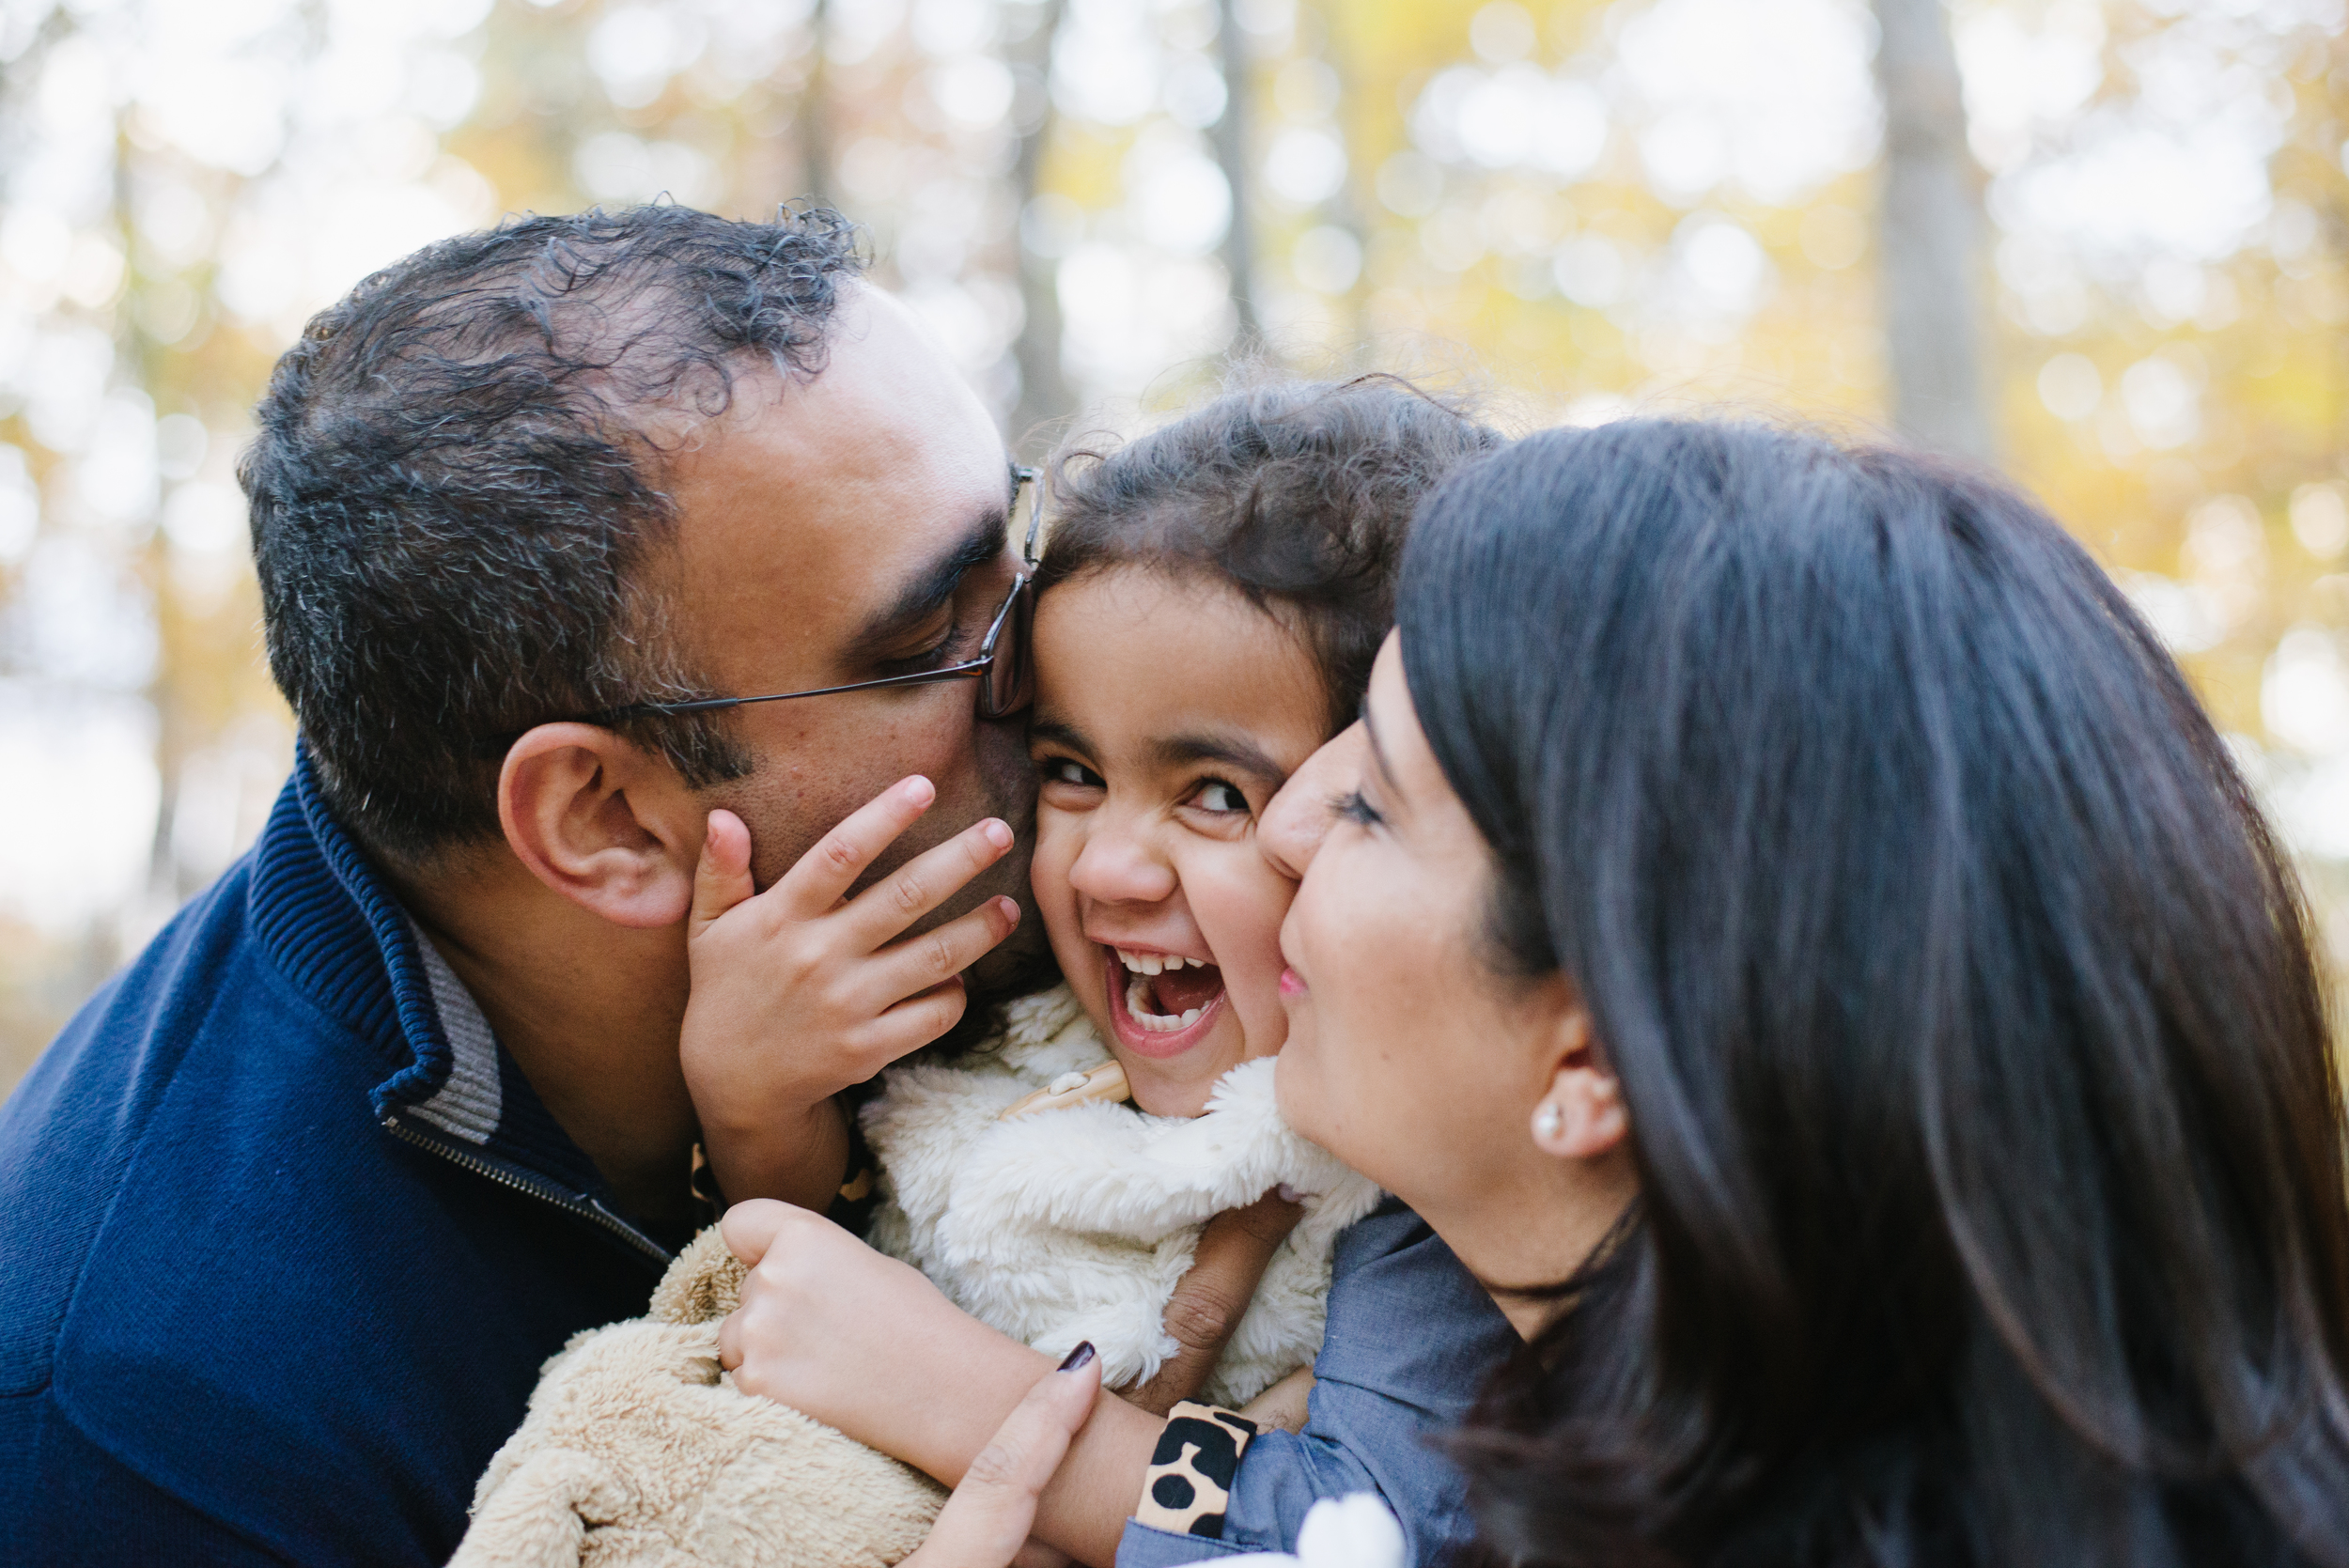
(457,484)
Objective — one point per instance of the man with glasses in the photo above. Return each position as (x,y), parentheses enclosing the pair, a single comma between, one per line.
(574,538)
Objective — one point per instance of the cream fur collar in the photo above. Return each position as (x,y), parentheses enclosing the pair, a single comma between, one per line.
(1075,1224)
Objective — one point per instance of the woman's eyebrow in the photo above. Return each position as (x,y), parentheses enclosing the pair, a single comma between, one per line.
(1378,753)
(1232,751)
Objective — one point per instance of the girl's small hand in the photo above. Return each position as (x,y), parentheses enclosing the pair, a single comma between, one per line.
(863,1343)
(1212,1296)
(801,990)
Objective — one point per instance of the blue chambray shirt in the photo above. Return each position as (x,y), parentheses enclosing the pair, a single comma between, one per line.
(1411,1339)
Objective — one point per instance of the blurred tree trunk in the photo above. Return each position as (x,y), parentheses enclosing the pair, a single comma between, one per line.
(1231,152)
(1931,231)
(814,146)
(1045,398)
(177,728)
(1347,206)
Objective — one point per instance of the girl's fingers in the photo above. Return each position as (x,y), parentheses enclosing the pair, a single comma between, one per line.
(884,909)
(722,877)
(750,1228)
(911,1024)
(730,1341)
(919,965)
(825,873)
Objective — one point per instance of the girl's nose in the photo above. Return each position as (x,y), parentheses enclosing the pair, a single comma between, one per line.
(1119,865)
(1293,822)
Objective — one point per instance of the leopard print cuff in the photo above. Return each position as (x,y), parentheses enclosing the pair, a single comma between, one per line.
(1189,1483)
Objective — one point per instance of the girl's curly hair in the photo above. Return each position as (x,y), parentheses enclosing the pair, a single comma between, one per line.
(1298,493)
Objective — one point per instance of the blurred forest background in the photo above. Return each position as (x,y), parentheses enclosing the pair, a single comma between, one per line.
(2101,242)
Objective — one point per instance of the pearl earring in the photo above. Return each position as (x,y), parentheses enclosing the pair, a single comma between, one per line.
(1549,1121)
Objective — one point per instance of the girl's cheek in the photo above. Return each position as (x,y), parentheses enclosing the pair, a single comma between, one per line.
(1056,848)
(1240,903)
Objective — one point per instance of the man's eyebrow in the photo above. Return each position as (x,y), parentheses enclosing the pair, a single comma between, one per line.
(1234,750)
(931,588)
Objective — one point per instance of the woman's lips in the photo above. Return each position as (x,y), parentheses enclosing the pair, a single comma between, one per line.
(1157,1044)
(1292,983)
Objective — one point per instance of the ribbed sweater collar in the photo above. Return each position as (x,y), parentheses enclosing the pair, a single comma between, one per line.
(326,919)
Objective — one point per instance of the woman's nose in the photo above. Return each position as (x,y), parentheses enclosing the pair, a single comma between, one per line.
(1120,866)
(1296,819)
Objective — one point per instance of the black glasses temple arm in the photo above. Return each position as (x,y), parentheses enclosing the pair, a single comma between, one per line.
(712,704)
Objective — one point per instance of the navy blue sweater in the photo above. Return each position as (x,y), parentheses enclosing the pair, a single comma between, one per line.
(283,1242)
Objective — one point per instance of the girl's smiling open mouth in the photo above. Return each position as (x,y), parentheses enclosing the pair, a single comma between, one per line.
(1161,1003)
(1164,916)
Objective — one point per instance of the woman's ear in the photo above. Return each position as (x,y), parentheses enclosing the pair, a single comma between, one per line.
(1583,1115)
(602,822)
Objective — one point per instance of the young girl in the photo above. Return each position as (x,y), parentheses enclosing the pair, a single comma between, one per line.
(1208,609)
(1208,606)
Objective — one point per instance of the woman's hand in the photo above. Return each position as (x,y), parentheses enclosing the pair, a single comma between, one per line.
(986,1524)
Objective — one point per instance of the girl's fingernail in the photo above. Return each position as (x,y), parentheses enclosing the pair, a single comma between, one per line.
(918,790)
(1011,909)
(996,833)
(1078,1356)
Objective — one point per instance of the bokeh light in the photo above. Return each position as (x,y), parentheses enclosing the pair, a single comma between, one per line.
(1593,206)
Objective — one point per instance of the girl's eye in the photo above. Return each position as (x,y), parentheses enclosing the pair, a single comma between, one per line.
(1216,795)
(1354,809)
(1063,770)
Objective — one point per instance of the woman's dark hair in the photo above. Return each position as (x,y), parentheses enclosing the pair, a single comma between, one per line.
(1991,1157)
(1298,493)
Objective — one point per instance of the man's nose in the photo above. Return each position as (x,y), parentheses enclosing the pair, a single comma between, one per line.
(1293,824)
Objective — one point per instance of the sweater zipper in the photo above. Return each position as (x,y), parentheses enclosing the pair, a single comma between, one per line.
(585,1206)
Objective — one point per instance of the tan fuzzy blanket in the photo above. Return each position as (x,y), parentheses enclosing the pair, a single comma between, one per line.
(639,1452)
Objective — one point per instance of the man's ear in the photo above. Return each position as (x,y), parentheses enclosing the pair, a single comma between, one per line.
(1581,1115)
(601,821)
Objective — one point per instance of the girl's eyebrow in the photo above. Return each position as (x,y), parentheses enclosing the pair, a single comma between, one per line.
(1058,733)
(1232,751)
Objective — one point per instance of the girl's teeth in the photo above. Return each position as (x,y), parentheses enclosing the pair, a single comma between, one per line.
(1156,1023)
(1155,963)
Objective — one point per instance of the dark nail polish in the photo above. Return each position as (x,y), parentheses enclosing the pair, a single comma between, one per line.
(1078,1356)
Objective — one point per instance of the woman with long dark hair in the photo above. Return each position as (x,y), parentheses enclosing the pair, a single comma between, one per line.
(1789,929)
(1815,843)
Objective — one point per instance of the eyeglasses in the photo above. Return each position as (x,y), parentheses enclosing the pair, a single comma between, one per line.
(1006,674)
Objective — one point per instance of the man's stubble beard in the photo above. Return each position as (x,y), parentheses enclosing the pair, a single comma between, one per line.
(1022,962)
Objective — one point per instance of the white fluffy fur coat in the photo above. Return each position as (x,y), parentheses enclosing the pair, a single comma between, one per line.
(1076,1224)
(1064,1225)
